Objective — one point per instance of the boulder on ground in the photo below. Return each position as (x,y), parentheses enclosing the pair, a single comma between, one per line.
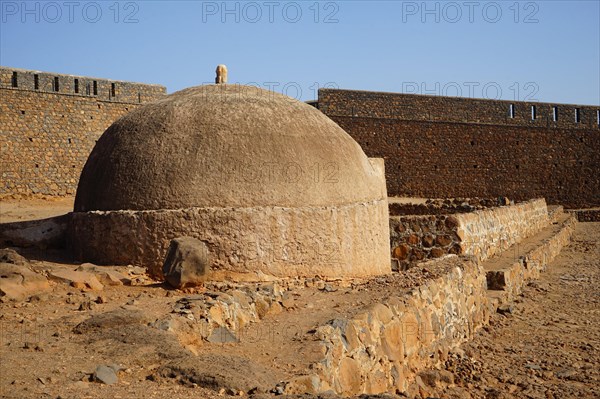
(18,282)
(187,262)
(8,255)
(105,275)
(77,279)
(106,374)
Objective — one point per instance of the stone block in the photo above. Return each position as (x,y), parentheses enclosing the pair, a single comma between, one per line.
(350,377)
(392,342)
(18,282)
(187,263)
(77,279)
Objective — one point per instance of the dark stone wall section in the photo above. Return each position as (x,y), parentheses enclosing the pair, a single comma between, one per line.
(445,147)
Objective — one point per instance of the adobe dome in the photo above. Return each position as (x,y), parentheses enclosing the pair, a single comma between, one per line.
(225,146)
(270,184)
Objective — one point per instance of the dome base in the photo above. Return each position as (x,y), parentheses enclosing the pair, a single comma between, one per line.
(250,244)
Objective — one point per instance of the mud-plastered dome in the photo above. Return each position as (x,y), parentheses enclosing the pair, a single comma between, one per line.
(269,183)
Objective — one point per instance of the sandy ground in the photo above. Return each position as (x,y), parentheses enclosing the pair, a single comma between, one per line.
(12,210)
(547,346)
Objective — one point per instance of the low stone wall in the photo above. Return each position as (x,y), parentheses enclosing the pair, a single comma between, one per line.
(383,348)
(415,238)
(587,215)
(482,233)
(509,280)
(443,206)
(536,259)
(218,316)
(245,244)
(486,233)
(43,233)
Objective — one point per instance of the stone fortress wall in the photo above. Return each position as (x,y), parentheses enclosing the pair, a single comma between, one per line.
(385,345)
(433,146)
(49,123)
(445,147)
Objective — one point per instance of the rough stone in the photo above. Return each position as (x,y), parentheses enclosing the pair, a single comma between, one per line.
(443,240)
(392,341)
(401,251)
(187,263)
(106,375)
(428,241)
(350,377)
(18,282)
(222,335)
(106,277)
(8,255)
(307,384)
(437,252)
(413,239)
(77,279)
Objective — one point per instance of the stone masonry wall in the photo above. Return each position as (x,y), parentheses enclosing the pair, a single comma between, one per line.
(383,348)
(529,262)
(440,147)
(256,242)
(481,233)
(486,233)
(48,131)
(415,238)
(587,215)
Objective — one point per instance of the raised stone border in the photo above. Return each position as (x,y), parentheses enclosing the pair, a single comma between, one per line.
(218,316)
(482,233)
(488,232)
(246,244)
(530,260)
(586,215)
(383,349)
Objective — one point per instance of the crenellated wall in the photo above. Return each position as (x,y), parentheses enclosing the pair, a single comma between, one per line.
(445,147)
(47,130)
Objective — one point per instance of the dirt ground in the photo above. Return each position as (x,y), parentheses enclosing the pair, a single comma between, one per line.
(547,345)
(14,210)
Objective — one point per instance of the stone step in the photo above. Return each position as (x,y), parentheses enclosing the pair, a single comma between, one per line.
(496,299)
(507,273)
(555,212)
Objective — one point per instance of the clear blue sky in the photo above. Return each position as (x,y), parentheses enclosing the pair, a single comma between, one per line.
(538,50)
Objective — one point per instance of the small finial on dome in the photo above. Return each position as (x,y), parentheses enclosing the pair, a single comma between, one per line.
(221,74)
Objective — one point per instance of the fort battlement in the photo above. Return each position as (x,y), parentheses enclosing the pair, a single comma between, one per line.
(417,107)
(81,86)
(49,123)
(433,146)
(438,147)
